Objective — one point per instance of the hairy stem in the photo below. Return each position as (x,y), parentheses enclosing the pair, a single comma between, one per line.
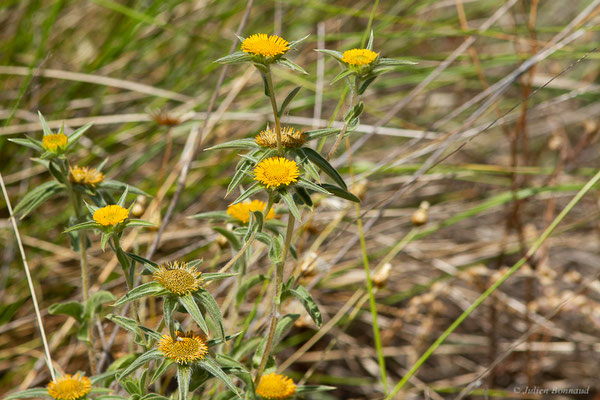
(269,79)
(345,127)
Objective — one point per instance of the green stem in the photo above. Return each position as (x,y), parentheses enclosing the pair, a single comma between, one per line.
(276,296)
(532,250)
(269,78)
(345,127)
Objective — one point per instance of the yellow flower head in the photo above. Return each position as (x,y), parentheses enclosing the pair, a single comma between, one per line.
(267,46)
(69,387)
(183,348)
(111,215)
(359,57)
(275,386)
(85,175)
(178,278)
(54,142)
(290,138)
(241,211)
(276,171)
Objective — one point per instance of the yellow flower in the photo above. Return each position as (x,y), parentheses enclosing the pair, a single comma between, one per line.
(178,278)
(54,142)
(183,348)
(290,138)
(267,46)
(275,386)
(85,175)
(241,211)
(69,387)
(359,57)
(111,215)
(276,171)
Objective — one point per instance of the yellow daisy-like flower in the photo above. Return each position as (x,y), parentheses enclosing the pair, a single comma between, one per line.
(276,171)
(359,57)
(178,278)
(85,175)
(241,211)
(111,215)
(69,387)
(275,386)
(261,44)
(290,138)
(183,348)
(54,142)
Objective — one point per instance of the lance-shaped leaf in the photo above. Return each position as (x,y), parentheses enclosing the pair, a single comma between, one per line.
(240,173)
(127,324)
(183,381)
(138,222)
(313,388)
(335,54)
(150,265)
(321,133)
(31,143)
(116,185)
(366,84)
(324,165)
(212,215)
(303,195)
(344,74)
(123,197)
(236,144)
(37,196)
(294,43)
(83,226)
(355,111)
(339,192)
(235,58)
(111,397)
(307,301)
(283,325)
(154,396)
(150,355)
(291,65)
(252,190)
(74,137)
(35,393)
(190,305)
(393,61)
(212,308)
(45,127)
(160,370)
(231,238)
(309,185)
(232,366)
(288,100)
(211,366)
(212,276)
(370,43)
(218,340)
(289,201)
(96,300)
(147,289)
(246,285)
(170,305)
(71,308)
(276,252)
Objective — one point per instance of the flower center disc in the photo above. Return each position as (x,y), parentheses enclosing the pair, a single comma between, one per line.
(179,281)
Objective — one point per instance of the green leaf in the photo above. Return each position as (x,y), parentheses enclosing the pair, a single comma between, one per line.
(335,54)
(370,43)
(211,366)
(309,185)
(321,133)
(393,61)
(123,197)
(154,354)
(212,276)
(288,99)
(127,324)
(355,111)
(309,304)
(34,393)
(74,137)
(344,74)
(160,370)
(339,192)
(190,305)
(212,308)
(88,225)
(235,58)
(289,201)
(183,381)
(240,173)
(294,43)
(366,84)
(70,308)
(27,143)
(246,285)
(324,165)
(236,144)
(283,326)
(313,388)
(46,129)
(96,300)
(218,340)
(116,185)
(303,195)
(146,289)
(138,222)
(212,215)
(170,305)
(291,65)
(105,238)
(276,249)
(154,396)
(152,266)
(234,240)
(252,190)
(38,196)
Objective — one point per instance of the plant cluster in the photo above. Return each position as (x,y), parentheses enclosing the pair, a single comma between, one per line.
(279,165)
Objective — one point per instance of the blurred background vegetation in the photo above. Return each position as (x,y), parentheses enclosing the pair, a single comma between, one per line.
(120,63)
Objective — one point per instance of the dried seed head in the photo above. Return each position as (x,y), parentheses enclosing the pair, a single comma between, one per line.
(419,217)
(382,275)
